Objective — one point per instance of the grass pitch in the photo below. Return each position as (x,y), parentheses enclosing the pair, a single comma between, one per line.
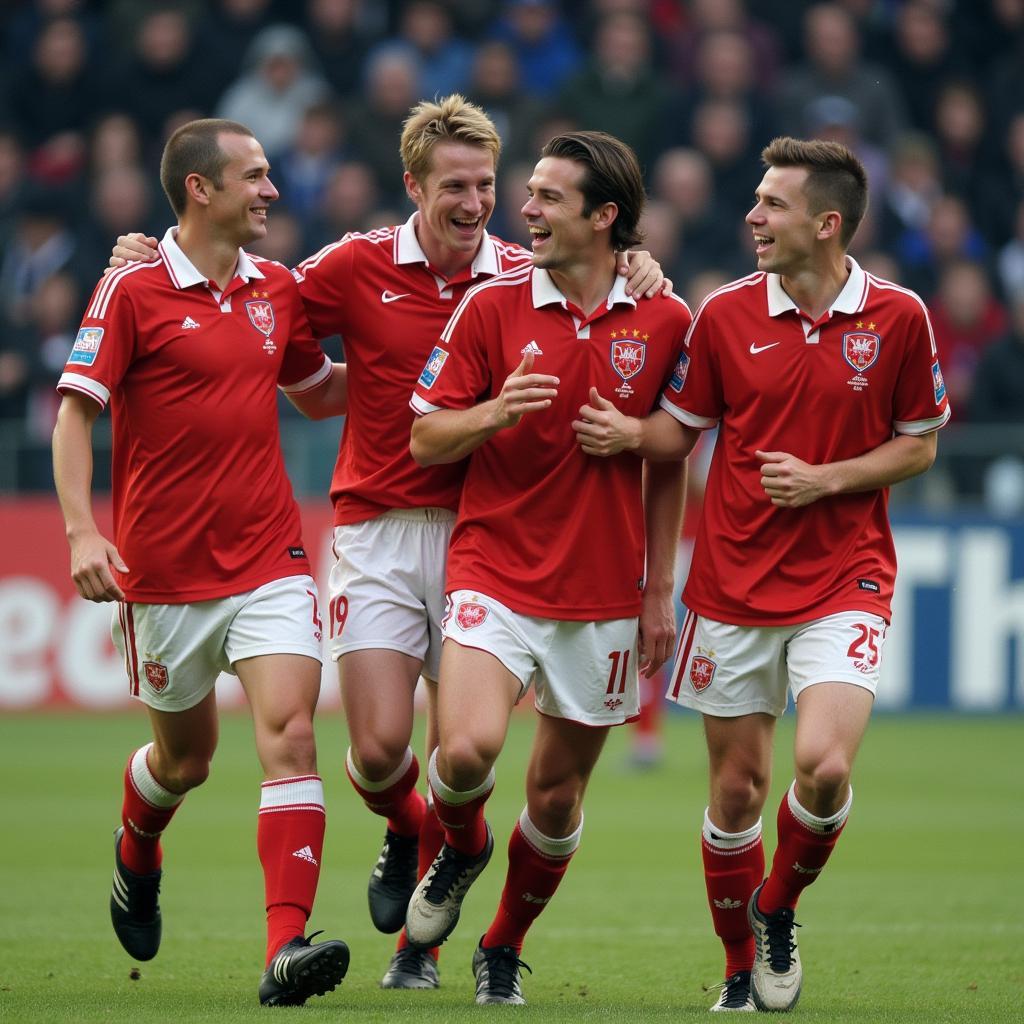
(919,916)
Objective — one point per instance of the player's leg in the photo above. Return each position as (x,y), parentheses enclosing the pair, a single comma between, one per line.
(476,696)
(833,665)
(736,677)
(273,645)
(177,688)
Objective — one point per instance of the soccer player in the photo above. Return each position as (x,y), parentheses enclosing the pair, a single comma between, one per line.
(826,385)
(207,565)
(546,573)
(389,293)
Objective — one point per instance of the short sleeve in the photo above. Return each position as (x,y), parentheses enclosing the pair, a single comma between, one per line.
(693,394)
(920,403)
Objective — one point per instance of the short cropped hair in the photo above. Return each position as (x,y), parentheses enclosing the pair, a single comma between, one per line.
(194,148)
(450,119)
(836,179)
(611,175)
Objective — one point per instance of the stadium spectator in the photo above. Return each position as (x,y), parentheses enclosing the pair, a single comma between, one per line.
(114,143)
(998,392)
(340,38)
(445,59)
(760,627)
(167,77)
(527,601)
(948,236)
(959,129)
(912,189)
(832,66)
(229,28)
(349,203)
(1011,259)
(721,133)
(307,166)
(279,85)
(543,42)
(619,91)
(967,318)
(228,587)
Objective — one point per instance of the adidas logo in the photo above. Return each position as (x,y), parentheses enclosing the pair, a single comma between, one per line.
(540,901)
(306,854)
(533,348)
(728,904)
(188,323)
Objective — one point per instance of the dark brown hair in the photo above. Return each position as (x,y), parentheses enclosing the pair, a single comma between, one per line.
(195,149)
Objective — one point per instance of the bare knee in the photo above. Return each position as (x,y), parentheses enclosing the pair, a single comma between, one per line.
(288,747)
(183,773)
(555,809)
(738,794)
(377,757)
(465,761)
(826,780)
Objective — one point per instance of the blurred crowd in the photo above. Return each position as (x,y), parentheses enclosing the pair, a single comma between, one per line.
(929,93)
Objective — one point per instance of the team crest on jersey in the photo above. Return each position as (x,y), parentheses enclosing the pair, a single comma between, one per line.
(156,675)
(702,671)
(628,358)
(435,364)
(261,316)
(938,383)
(678,378)
(470,614)
(87,346)
(860,349)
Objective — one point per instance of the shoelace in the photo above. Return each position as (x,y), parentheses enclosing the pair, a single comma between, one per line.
(736,990)
(503,966)
(779,935)
(448,875)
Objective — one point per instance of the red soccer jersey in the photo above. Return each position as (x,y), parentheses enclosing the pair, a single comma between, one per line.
(824,392)
(543,528)
(202,505)
(378,292)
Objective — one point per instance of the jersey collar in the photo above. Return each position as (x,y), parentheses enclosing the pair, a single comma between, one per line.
(546,293)
(182,270)
(409,250)
(849,300)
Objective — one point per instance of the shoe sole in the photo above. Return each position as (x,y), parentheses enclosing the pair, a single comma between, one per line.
(315,976)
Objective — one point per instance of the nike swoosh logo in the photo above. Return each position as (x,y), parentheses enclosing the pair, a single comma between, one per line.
(754,349)
(386,296)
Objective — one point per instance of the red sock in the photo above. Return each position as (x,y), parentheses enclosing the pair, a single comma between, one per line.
(290,841)
(431,838)
(395,797)
(535,868)
(146,810)
(461,813)
(733,869)
(805,843)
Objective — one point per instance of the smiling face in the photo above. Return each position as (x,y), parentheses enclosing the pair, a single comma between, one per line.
(455,201)
(239,206)
(785,231)
(561,233)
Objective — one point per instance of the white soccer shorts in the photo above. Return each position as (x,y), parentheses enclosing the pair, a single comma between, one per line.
(387,585)
(727,670)
(582,671)
(173,653)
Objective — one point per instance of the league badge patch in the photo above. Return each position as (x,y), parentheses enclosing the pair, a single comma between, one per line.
(86,346)
(435,364)
(702,671)
(261,316)
(470,614)
(861,348)
(938,383)
(156,675)
(628,358)
(678,378)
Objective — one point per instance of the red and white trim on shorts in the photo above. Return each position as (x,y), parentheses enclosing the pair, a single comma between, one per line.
(131,655)
(686,635)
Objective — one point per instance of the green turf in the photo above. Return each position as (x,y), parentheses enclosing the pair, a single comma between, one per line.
(920,916)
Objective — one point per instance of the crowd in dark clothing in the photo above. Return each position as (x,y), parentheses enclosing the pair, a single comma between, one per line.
(929,94)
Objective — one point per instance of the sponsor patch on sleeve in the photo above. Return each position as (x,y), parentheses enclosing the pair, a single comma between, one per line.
(678,378)
(435,364)
(938,383)
(86,346)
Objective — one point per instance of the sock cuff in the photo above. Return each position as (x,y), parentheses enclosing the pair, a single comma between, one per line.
(822,826)
(379,786)
(556,849)
(729,842)
(456,797)
(300,793)
(145,782)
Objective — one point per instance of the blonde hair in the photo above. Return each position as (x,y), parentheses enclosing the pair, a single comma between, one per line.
(450,119)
